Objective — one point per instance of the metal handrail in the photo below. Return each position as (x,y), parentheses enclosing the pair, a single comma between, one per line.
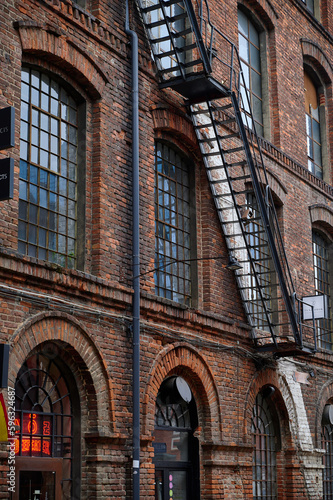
(212,37)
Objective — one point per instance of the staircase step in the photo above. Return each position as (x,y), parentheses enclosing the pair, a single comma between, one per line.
(151,8)
(225,122)
(168,3)
(215,153)
(166,38)
(233,150)
(236,164)
(166,54)
(156,24)
(187,48)
(190,64)
(236,193)
(221,108)
(158,6)
(228,136)
(170,70)
(179,34)
(242,178)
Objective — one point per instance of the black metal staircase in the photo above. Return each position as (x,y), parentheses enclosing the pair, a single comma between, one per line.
(186,47)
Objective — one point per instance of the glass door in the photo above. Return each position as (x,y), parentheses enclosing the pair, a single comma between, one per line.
(172,484)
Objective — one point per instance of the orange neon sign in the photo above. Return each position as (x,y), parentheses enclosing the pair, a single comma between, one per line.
(36,435)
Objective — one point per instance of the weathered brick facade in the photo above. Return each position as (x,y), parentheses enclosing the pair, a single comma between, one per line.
(83,316)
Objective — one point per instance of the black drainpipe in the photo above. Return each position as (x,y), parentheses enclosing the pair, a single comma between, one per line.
(136,258)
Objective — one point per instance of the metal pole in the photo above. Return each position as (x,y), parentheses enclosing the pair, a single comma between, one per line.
(136,259)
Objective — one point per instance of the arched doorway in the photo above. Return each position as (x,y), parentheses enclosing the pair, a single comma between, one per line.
(266,443)
(176,450)
(48,426)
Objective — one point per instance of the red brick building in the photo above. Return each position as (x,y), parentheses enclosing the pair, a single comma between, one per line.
(235,136)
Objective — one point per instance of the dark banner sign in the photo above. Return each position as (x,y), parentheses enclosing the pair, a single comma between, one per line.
(4,359)
(7,127)
(6,178)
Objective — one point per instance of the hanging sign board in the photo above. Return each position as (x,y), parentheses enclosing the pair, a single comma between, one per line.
(4,360)
(6,178)
(3,420)
(315,307)
(7,127)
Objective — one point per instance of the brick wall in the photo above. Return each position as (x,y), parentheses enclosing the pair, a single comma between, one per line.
(87,313)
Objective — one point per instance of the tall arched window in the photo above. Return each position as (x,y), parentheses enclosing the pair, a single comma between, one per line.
(264,433)
(176,454)
(49,157)
(321,265)
(327,445)
(173,231)
(249,52)
(45,447)
(313,127)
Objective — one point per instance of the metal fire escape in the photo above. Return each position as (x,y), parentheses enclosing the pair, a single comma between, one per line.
(200,63)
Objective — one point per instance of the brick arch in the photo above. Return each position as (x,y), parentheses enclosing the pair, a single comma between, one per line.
(88,366)
(284,404)
(322,215)
(315,53)
(57,48)
(325,396)
(180,359)
(264,10)
(167,120)
(278,189)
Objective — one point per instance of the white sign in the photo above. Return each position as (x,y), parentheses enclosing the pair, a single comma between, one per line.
(315,307)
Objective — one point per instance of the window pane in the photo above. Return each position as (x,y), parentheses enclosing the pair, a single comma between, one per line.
(242,23)
(255,57)
(256,83)
(244,48)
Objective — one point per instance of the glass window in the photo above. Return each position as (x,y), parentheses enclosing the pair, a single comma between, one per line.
(327,445)
(312,117)
(264,454)
(309,4)
(172,215)
(48,170)
(249,52)
(322,286)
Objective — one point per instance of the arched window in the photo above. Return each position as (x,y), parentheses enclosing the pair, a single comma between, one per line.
(313,127)
(45,449)
(327,445)
(176,454)
(173,228)
(264,435)
(249,52)
(321,265)
(49,156)
(314,6)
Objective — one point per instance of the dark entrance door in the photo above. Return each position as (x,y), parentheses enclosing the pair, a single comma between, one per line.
(172,483)
(38,478)
(176,450)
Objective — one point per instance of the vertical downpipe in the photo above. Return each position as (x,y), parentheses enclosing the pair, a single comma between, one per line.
(136,258)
